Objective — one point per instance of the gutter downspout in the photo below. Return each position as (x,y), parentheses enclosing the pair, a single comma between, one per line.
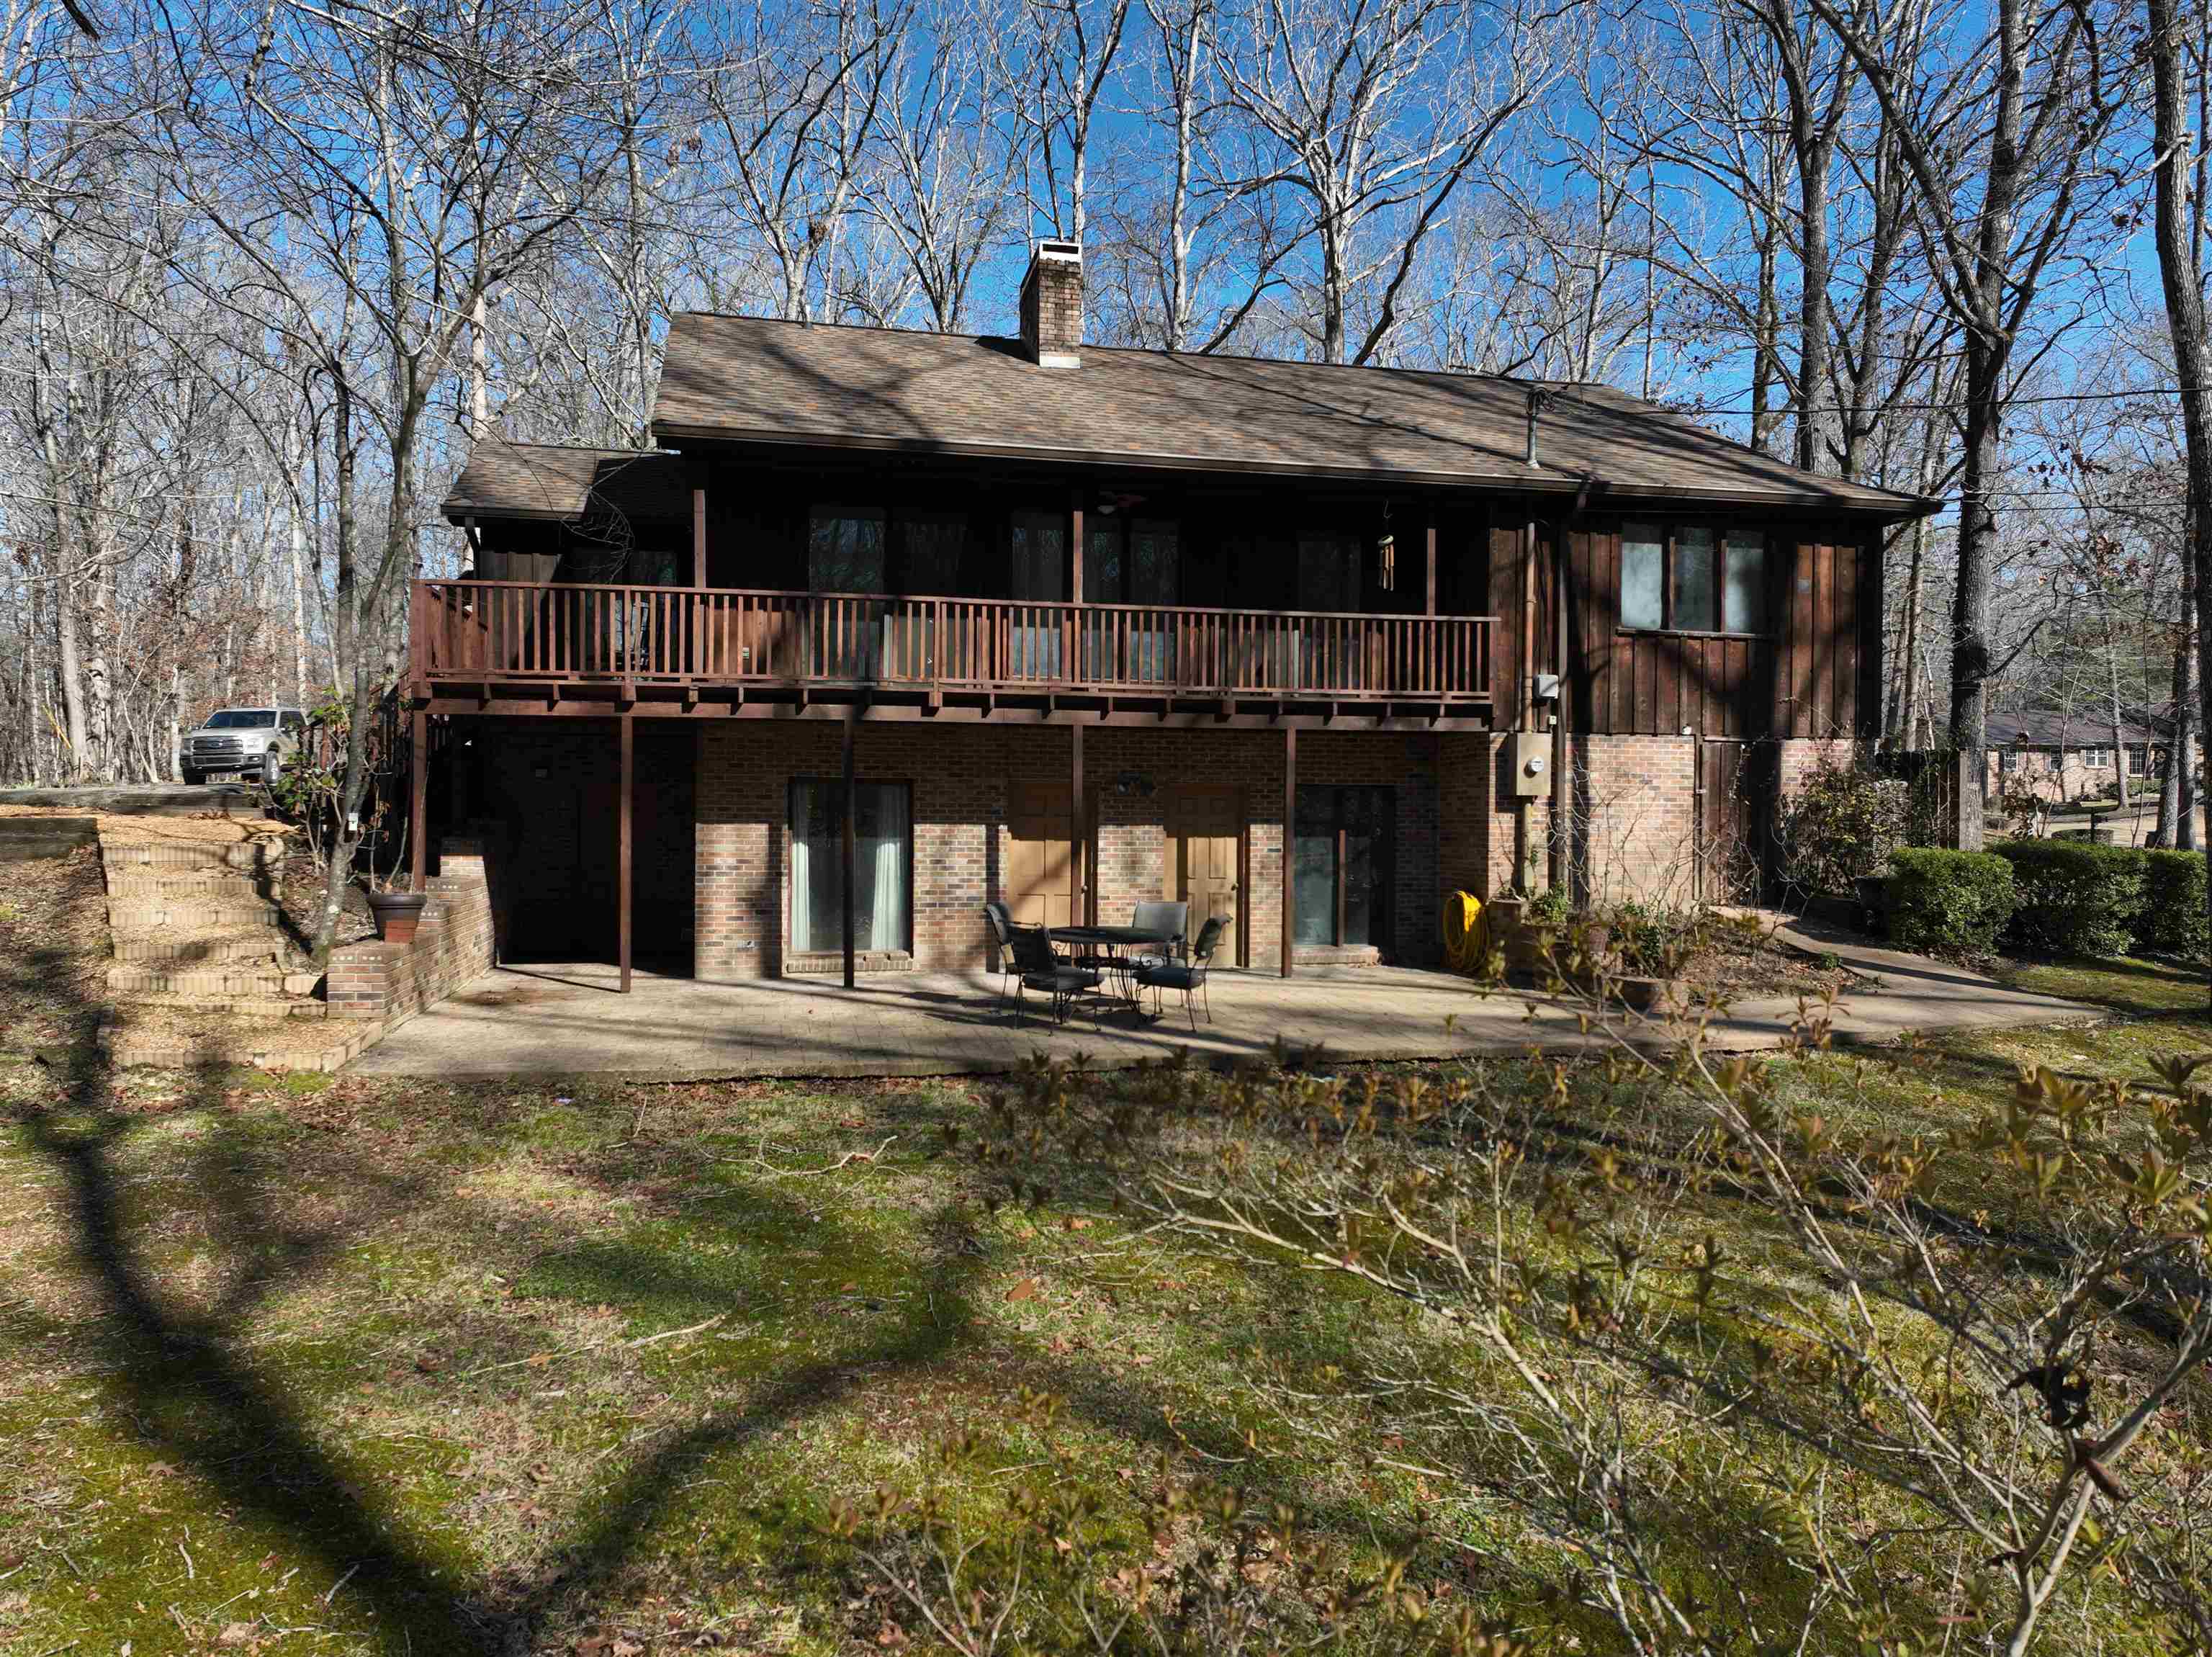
(1562,868)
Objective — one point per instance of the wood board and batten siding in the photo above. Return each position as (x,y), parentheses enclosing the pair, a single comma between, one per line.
(1807,674)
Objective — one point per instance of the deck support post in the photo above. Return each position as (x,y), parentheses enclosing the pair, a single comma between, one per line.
(848,849)
(698,538)
(418,800)
(1289,837)
(1430,608)
(1077,836)
(622,853)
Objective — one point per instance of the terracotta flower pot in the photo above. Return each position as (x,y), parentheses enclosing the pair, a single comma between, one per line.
(398,914)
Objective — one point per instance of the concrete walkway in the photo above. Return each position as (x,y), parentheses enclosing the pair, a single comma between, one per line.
(569,1020)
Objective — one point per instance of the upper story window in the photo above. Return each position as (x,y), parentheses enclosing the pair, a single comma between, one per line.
(1692,578)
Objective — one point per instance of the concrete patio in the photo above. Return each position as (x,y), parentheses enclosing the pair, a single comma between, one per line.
(569,1020)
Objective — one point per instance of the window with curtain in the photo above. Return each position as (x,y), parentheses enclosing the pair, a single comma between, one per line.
(1341,865)
(882,861)
(1693,578)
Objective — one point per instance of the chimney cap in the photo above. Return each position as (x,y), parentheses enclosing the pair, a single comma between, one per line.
(1058,247)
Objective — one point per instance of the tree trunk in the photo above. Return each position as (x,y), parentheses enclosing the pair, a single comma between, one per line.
(1970,603)
(2181,275)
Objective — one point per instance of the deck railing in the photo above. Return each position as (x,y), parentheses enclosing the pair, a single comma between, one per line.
(478,631)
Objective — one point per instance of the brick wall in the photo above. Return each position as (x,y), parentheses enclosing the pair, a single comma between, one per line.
(960,775)
(454,944)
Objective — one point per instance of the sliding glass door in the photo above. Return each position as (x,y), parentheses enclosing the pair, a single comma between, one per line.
(1341,865)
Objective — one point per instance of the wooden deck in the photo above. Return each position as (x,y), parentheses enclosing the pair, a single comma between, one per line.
(524,647)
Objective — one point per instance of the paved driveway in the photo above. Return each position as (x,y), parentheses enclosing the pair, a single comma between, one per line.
(570,1021)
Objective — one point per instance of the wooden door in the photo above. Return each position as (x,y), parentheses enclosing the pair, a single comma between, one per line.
(1039,855)
(1204,864)
(1733,794)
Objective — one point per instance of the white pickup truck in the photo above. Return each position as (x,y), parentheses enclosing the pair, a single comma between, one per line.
(254,744)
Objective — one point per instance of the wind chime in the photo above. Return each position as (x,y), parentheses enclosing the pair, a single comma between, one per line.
(1386,553)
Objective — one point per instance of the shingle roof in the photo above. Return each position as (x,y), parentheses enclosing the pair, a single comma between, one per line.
(753,379)
(504,480)
(2043,730)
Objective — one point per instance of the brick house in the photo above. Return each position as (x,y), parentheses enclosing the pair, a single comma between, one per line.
(2061,759)
(1307,645)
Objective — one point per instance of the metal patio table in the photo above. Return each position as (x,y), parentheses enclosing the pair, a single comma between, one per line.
(1115,938)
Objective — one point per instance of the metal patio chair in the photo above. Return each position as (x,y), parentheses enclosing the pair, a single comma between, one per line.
(1171,918)
(1002,926)
(1040,968)
(1189,977)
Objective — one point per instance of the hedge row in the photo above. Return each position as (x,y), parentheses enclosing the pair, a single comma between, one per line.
(2049,897)
(1948,903)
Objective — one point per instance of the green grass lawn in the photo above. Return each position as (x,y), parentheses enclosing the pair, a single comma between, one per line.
(377,1364)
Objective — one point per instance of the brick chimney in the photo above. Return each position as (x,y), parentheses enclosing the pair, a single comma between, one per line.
(1052,305)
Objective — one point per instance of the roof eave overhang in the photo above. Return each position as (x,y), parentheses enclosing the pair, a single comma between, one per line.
(1549,482)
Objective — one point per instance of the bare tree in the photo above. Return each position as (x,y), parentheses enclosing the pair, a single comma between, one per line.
(1379,114)
(2050,100)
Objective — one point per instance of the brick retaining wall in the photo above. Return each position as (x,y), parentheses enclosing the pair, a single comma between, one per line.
(374,980)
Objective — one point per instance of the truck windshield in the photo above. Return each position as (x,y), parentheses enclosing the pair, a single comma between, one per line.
(240,719)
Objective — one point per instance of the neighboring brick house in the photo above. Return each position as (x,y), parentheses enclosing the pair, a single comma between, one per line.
(2064,759)
(1084,626)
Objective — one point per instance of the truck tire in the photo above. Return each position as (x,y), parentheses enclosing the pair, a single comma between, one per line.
(272,767)
(192,778)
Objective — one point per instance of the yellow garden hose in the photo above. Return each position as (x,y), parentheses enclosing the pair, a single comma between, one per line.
(1466,934)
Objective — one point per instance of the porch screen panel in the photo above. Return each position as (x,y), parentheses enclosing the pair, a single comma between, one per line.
(1328,580)
(846,554)
(1136,562)
(934,552)
(1038,545)
(883,862)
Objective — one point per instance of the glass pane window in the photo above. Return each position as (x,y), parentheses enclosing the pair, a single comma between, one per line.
(845,550)
(1743,583)
(882,861)
(1643,575)
(1693,579)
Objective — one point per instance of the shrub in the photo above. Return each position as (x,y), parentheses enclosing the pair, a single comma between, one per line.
(1949,902)
(1843,822)
(2074,897)
(2173,919)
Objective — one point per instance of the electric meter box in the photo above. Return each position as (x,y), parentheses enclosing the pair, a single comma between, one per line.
(1532,764)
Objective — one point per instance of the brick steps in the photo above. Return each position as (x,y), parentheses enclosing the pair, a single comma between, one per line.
(268,1007)
(280,1043)
(167,946)
(184,858)
(220,884)
(216,981)
(137,915)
